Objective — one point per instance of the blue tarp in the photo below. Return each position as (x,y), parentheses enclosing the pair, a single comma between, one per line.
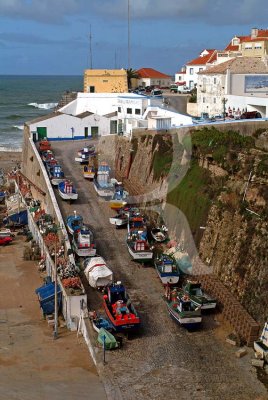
(46,296)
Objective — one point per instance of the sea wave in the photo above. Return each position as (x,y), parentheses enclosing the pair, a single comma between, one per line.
(20,127)
(11,149)
(43,106)
(14,116)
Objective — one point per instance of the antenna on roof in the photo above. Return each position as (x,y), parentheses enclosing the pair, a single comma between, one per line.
(90,47)
(128,32)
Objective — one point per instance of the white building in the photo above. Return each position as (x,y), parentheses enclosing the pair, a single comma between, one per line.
(193,67)
(237,85)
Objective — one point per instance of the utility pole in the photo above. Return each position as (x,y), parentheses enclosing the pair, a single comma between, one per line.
(90,48)
(128,35)
(55,333)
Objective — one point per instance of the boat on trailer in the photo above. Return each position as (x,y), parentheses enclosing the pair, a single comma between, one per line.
(67,191)
(183,310)
(167,269)
(137,242)
(83,242)
(119,309)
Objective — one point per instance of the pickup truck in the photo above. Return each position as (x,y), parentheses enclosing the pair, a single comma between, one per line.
(184,90)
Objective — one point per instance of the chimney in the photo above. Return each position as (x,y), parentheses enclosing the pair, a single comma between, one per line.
(254,33)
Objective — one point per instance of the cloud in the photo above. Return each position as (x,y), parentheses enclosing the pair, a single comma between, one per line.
(212,12)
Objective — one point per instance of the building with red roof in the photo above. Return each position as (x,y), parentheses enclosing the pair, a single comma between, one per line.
(253,45)
(152,77)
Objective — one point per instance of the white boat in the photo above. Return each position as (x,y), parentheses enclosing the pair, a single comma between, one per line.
(103,185)
(160,234)
(83,244)
(97,272)
(138,246)
(119,199)
(67,191)
(119,219)
(5,232)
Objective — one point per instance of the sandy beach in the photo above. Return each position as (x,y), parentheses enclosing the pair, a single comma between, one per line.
(9,160)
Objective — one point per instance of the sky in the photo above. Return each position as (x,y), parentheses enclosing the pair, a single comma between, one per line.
(51,37)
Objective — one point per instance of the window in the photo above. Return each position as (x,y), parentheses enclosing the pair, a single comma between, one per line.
(191,84)
(105,80)
(119,109)
(201,69)
(258,46)
(129,110)
(214,100)
(204,99)
(137,111)
(91,89)
(191,71)
(215,81)
(248,46)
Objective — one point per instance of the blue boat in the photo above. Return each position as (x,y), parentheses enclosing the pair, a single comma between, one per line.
(74,223)
(16,218)
(101,322)
(2,196)
(67,191)
(55,174)
(167,269)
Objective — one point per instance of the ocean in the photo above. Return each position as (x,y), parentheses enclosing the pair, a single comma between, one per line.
(23,98)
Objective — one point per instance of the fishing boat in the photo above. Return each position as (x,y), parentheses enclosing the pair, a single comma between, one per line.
(74,222)
(99,322)
(103,184)
(160,234)
(261,345)
(47,156)
(55,173)
(83,243)
(119,309)
(97,272)
(89,172)
(86,150)
(67,191)
(137,243)
(2,196)
(197,295)
(119,199)
(167,269)
(44,145)
(120,219)
(183,310)
(16,211)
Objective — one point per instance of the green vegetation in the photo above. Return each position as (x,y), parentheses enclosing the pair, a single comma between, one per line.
(191,196)
(262,168)
(162,148)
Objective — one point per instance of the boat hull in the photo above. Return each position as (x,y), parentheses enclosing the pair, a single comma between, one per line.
(68,196)
(85,251)
(121,326)
(118,221)
(117,204)
(186,322)
(89,175)
(140,256)
(56,181)
(168,279)
(104,192)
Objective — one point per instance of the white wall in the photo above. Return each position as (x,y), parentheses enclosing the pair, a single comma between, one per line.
(192,77)
(162,82)
(210,92)
(60,126)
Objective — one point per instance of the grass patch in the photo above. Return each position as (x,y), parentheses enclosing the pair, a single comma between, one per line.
(192,198)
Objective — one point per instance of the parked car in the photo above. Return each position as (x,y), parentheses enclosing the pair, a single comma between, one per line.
(173,88)
(156,93)
(251,114)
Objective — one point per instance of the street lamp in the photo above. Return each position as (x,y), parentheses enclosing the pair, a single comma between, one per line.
(224,101)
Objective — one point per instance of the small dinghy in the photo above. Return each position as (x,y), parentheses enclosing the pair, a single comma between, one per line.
(74,223)
(160,234)
(67,191)
(99,322)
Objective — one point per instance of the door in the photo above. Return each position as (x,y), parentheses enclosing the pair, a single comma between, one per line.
(113,127)
(94,131)
(86,132)
(41,132)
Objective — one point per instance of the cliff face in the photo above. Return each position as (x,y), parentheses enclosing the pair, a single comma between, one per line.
(219,180)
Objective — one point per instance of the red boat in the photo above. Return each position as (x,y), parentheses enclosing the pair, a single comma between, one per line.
(5,240)
(119,309)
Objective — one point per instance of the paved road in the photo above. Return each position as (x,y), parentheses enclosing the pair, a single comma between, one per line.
(33,366)
(164,360)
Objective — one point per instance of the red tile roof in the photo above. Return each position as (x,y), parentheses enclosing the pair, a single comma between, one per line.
(230,47)
(151,73)
(210,57)
(262,33)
